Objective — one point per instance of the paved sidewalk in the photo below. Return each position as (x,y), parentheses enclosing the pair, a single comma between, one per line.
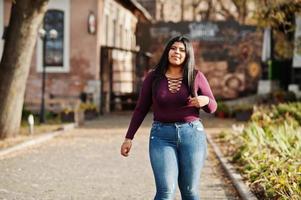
(85,163)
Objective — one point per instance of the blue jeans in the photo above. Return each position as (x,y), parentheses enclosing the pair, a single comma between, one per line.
(177,154)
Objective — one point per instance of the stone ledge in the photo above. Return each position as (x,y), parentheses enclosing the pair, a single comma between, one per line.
(38,140)
(242,189)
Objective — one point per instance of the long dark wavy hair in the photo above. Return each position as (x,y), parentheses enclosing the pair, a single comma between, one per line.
(188,64)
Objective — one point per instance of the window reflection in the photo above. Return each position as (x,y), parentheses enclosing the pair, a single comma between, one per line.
(123,71)
(54,48)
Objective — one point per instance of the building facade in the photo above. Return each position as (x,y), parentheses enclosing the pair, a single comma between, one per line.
(228,53)
(73,59)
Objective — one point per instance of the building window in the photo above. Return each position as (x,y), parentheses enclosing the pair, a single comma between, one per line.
(123,71)
(54,54)
(54,49)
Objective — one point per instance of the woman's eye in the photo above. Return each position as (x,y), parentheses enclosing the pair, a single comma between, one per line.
(175,49)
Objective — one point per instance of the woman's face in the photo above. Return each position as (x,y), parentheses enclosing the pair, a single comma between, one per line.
(177,53)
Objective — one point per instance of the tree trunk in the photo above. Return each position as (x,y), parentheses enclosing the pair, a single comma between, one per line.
(210,10)
(194,12)
(162,12)
(195,5)
(182,10)
(26,17)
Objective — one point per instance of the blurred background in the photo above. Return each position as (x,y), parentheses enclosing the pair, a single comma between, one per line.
(72,61)
(104,48)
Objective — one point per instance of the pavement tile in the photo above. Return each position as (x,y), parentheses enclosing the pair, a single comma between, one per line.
(85,163)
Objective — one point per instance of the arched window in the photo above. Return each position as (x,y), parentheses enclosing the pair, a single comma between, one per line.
(54,48)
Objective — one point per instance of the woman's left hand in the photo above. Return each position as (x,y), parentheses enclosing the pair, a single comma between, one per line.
(198,101)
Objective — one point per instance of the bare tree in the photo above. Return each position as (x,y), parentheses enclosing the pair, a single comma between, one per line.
(195,4)
(162,7)
(25,19)
(225,11)
(241,9)
(206,11)
(230,10)
(182,10)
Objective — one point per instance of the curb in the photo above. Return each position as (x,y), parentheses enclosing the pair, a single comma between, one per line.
(45,137)
(237,180)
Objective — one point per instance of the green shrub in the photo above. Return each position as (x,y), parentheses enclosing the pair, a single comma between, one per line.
(268,151)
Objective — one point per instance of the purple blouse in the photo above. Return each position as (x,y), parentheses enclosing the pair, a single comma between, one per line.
(167,106)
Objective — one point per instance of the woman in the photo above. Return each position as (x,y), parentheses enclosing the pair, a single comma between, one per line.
(177,145)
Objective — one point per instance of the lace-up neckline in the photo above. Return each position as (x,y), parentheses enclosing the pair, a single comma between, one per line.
(174,84)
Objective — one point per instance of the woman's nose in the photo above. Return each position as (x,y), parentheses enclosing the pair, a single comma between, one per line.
(177,50)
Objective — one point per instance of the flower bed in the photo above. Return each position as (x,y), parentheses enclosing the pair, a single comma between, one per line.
(267,151)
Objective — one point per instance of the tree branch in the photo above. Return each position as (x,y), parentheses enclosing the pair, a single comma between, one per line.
(226,11)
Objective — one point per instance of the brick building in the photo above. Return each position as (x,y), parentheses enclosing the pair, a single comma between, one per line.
(194,17)
(73,60)
(228,53)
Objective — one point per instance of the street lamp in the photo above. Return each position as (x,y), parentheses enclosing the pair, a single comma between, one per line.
(44,35)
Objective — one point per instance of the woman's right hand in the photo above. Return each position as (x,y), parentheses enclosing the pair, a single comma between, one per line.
(126,147)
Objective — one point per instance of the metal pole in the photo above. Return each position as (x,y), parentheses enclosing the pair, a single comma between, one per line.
(42,112)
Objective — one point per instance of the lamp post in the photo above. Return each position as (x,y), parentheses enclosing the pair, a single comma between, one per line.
(44,35)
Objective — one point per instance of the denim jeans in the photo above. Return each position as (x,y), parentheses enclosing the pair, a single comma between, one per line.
(177,154)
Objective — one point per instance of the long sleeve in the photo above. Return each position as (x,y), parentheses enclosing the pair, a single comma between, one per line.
(203,88)
(143,105)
